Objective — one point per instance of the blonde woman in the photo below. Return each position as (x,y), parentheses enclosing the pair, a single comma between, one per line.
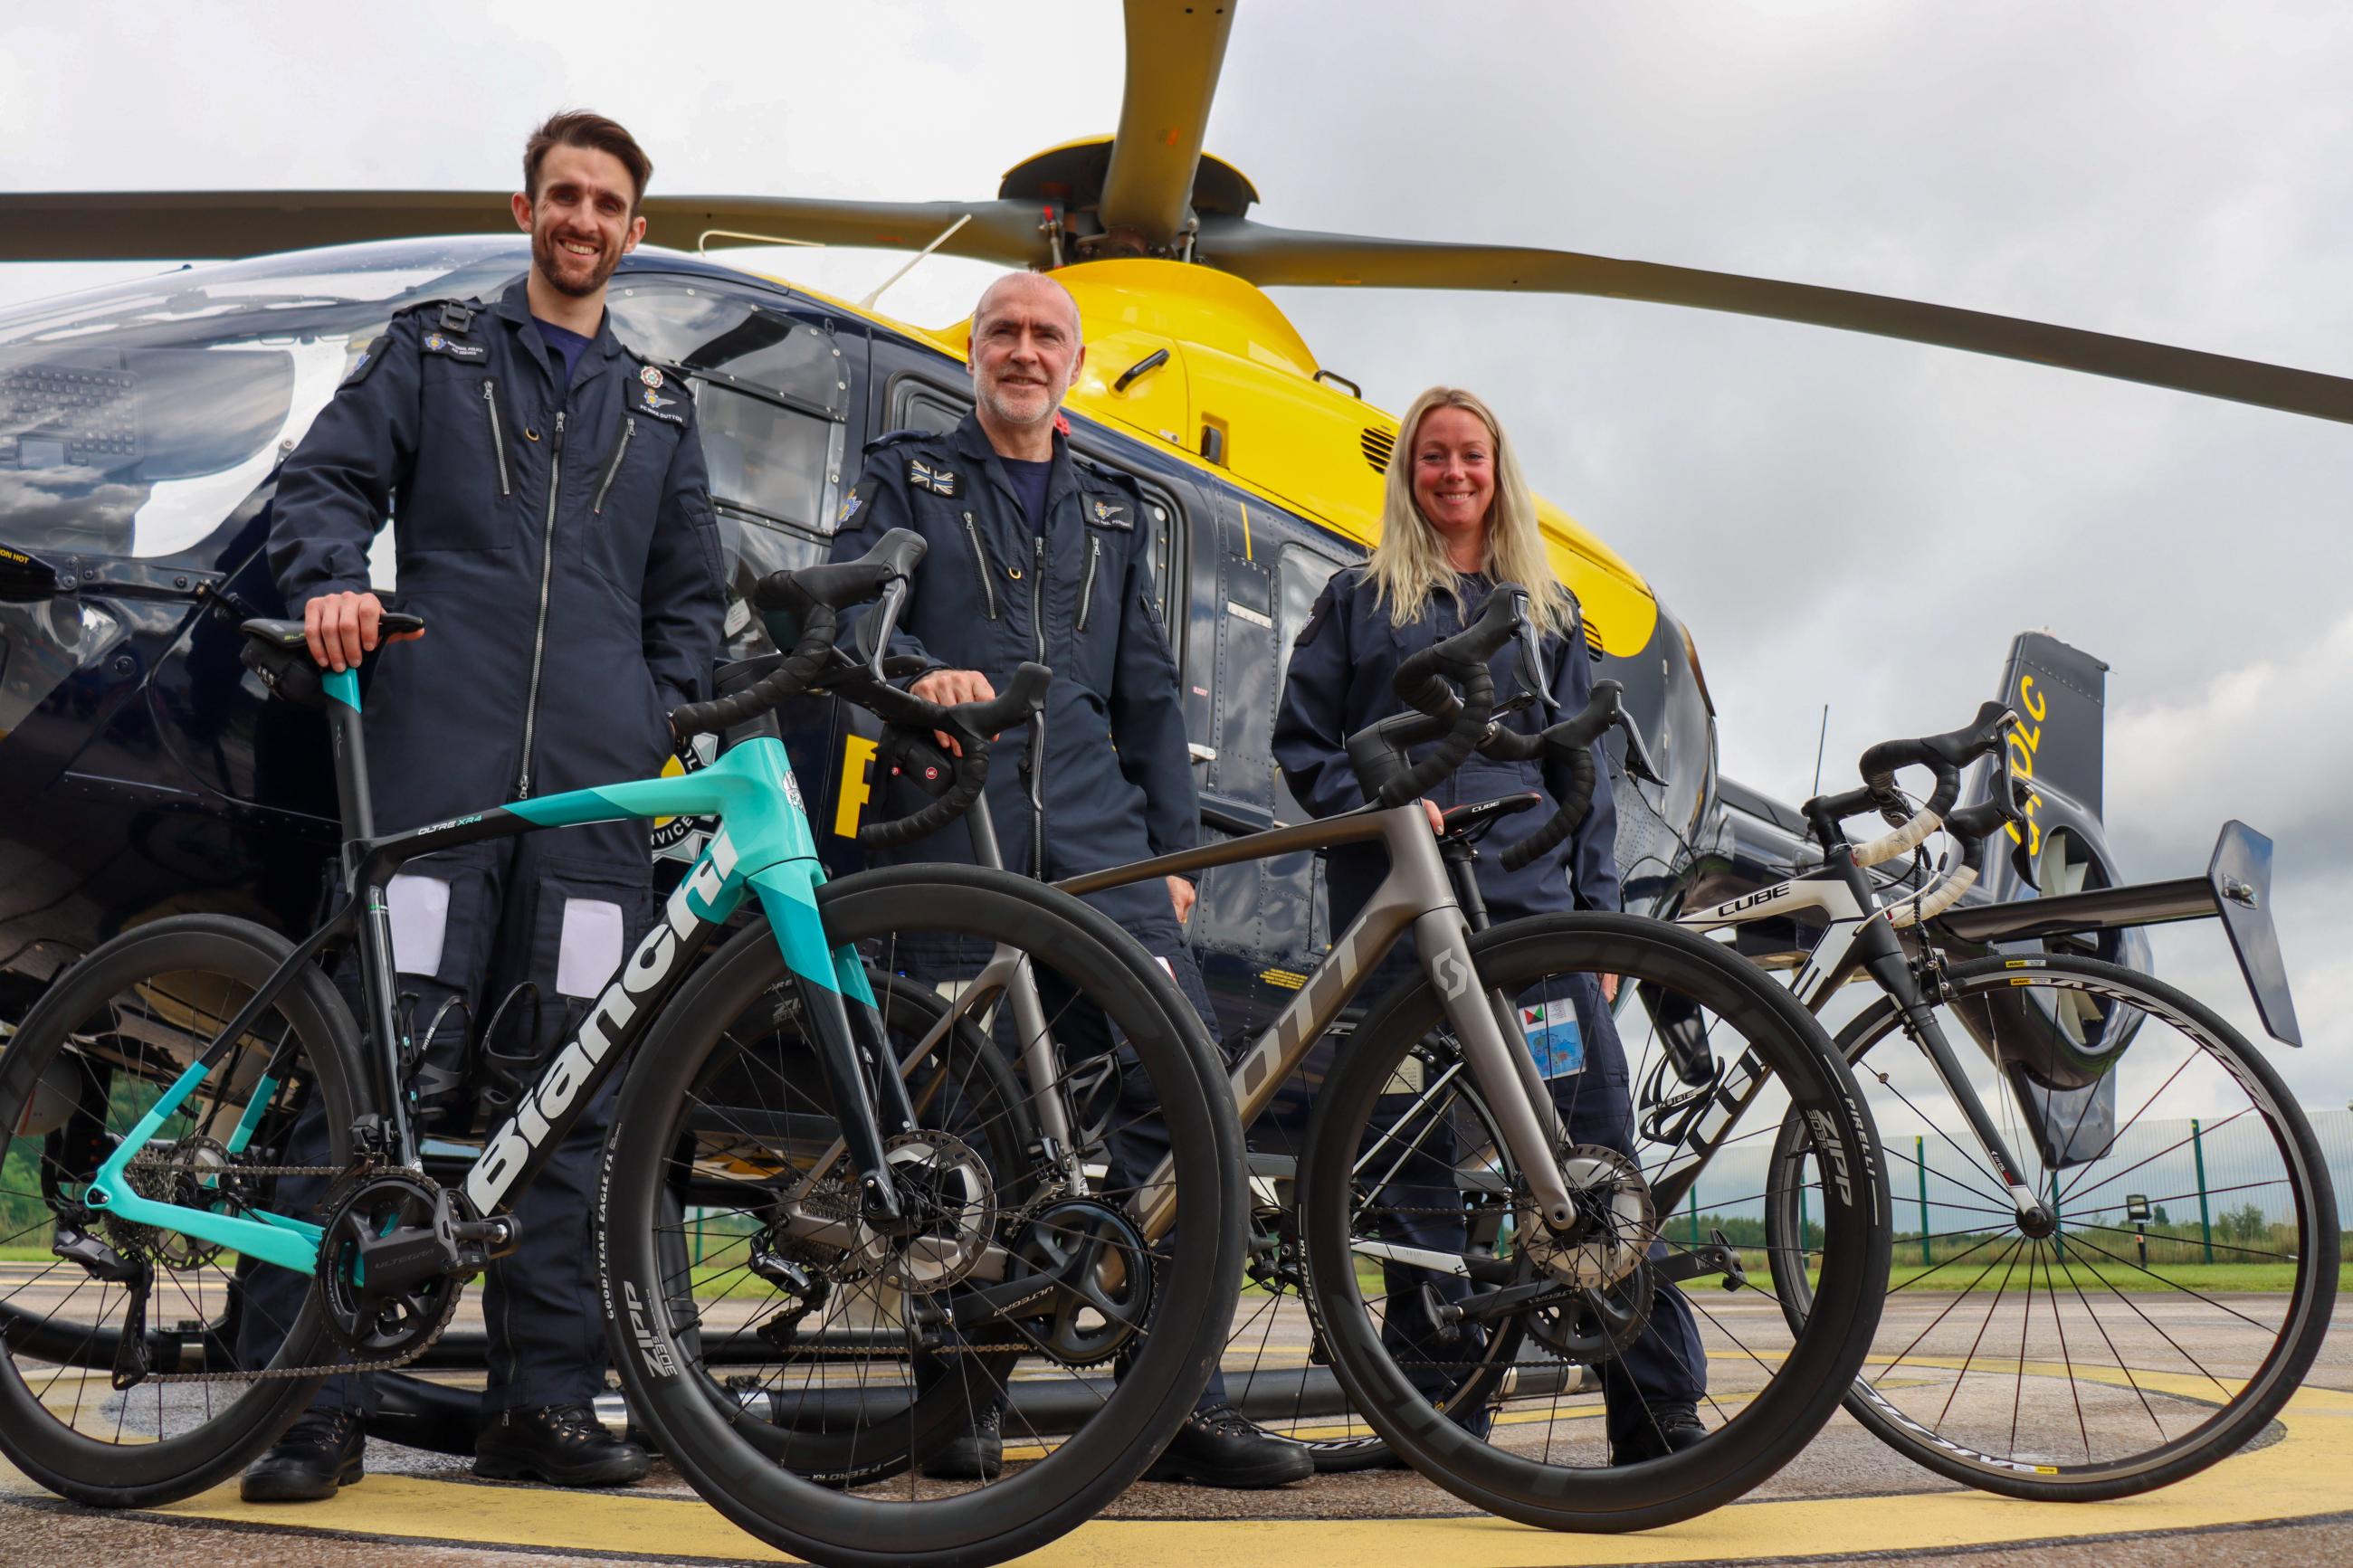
(1457,519)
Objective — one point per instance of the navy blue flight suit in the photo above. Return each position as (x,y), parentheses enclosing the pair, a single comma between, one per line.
(558,539)
(1114,773)
(1339,681)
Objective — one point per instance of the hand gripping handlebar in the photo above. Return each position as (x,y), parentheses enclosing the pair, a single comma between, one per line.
(1571,739)
(802,609)
(1426,681)
(906,745)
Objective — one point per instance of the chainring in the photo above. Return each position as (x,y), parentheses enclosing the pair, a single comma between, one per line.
(375,1324)
(1104,1294)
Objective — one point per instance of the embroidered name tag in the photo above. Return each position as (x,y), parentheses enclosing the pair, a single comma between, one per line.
(650,401)
(1110,514)
(457,349)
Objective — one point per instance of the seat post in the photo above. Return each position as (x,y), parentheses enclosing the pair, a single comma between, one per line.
(351,759)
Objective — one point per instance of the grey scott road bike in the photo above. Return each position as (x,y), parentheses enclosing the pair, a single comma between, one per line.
(1469,1272)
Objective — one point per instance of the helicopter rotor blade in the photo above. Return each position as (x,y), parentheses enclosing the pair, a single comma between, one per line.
(174,225)
(1269,256)
(1174,54)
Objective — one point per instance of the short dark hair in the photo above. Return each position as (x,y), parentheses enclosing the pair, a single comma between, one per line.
(583,128)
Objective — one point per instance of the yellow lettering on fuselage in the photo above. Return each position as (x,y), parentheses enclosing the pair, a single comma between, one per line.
(2023,743)
(855,790)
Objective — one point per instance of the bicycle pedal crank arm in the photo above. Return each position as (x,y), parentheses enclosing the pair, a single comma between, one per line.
(1693,1263)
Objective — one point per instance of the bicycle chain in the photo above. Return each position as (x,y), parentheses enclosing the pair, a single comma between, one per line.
(280,1373)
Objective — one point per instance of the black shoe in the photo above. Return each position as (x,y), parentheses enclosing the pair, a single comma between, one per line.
(1654,1431)
(563,1444)
(318,1455)
(976,1455)
(1217,1447)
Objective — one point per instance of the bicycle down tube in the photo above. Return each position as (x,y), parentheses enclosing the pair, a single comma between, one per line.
(762,845)
(1857,938)
(1418,895)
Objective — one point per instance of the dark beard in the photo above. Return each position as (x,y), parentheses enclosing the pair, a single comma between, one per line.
(547,258)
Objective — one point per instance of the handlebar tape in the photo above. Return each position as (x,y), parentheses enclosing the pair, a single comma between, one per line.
(799,670)
(1427,680)
(910,720)
(802,609)
(962,779)
(1573,739)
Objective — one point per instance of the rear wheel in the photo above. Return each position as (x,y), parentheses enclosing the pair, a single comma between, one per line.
(854,1358)
(2187,1279)
(106,1321)
(1417,1307)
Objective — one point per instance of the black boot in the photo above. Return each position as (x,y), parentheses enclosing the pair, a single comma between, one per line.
(976,1455)
(563,1444)
(1652,1431)
(1217,1447)
(320,1453)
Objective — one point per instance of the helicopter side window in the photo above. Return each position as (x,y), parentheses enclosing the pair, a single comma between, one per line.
(772,394)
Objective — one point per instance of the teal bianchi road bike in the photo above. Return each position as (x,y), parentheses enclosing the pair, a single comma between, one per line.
(802,1126)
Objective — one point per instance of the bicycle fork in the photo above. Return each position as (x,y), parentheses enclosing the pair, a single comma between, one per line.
(854,1057)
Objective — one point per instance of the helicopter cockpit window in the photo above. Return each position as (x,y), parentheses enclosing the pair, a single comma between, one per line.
(135,420)
(772,394)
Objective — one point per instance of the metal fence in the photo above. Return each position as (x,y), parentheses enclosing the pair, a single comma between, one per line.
(2207,1184)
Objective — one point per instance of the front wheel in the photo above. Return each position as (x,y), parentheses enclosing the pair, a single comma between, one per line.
(1021,1287)
(1688,1389)
(2175,1290)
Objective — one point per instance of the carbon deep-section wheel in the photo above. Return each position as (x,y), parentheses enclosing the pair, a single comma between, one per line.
(1644,1372)
(120,1386)
(819,1381)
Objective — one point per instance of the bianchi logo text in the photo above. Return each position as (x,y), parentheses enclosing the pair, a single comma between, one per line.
(641,975)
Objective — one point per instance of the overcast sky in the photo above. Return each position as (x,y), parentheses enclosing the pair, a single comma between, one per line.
(1839,520)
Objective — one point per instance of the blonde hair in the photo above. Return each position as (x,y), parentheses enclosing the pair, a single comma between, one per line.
(1409,565)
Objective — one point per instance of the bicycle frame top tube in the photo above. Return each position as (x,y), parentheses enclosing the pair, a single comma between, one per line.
(1858,938)
(763,843)
(1417,894)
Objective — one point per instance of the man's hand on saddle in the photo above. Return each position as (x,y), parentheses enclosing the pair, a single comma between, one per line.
(343,628)
(949,686)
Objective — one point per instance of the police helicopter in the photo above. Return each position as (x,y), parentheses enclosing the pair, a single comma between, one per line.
(143,772)
(141,424)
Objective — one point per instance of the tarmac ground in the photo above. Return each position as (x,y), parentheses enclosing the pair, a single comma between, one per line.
(2287,1498)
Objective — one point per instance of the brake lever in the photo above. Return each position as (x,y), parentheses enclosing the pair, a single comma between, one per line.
(874,632)
(1638,756)
(1529,668)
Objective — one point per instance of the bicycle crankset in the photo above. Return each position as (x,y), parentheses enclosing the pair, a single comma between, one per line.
(1081,1288)
(391,1266)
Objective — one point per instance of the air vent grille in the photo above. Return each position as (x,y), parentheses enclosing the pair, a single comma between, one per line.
(1379,446)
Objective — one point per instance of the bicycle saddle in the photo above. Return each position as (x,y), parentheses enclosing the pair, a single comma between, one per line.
(279,653)
(1467,823)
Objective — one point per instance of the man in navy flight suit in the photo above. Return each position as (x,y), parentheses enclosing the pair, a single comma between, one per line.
(551,523)
(1038,554)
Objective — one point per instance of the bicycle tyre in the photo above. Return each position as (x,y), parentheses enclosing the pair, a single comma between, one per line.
(140,1474)
(1772,1427)
(1194,1292)
(2235,1422)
